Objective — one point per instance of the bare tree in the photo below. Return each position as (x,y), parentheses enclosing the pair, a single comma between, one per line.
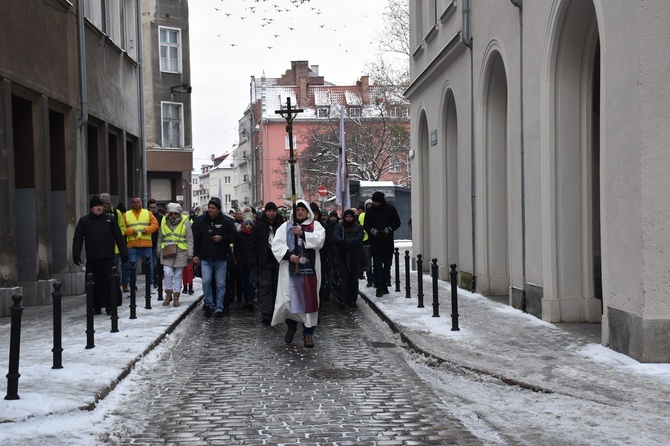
(391,65)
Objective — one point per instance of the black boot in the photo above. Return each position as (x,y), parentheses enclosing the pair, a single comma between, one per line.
(190,289)
(185,290)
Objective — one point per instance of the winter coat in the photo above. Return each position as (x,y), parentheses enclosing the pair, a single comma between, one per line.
(204,229)
(349,241)
(261,235)
(280,248)
(244,252)
(183,257)
(378,218)
(100,234)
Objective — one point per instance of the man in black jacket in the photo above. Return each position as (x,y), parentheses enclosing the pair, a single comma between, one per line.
(212,236)
(101,234)
(267,267)
(381,220)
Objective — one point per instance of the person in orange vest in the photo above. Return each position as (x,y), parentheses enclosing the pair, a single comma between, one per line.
(140,224)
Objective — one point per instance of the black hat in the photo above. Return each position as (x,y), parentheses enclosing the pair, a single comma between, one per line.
(301,204)
(348,212)
(334,214)
(270,206)
(315,208)
(216,202)
(96,201)
(378,197)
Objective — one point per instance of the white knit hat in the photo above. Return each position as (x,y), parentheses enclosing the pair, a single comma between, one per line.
(173,207)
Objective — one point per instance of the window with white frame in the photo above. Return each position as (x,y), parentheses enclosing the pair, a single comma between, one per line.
(130,28)
(173,124)
(322,112)
(113,21)
(393,112)
(170,49)
(405,112)
(226,198)
(226,180)
(354,112)
(93,12)
(395,165)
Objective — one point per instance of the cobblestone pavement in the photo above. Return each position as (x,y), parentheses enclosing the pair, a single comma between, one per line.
(235,381)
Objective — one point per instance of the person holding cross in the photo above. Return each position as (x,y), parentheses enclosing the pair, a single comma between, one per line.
(296,246)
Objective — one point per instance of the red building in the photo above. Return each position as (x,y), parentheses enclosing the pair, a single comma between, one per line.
(321,103)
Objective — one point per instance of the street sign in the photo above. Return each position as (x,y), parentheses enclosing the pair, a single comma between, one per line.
(323,190)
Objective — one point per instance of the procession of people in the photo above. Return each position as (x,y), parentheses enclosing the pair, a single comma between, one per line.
(281,267)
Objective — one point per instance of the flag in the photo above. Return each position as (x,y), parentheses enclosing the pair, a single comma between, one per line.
(221,193)
(342,187)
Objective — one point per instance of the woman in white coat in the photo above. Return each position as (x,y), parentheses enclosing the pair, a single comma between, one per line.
(299,273)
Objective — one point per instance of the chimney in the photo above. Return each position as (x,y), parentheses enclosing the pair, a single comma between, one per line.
(365,89)
(315,69)
(302,94)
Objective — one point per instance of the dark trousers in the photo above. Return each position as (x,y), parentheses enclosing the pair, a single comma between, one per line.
(268,276)
(102,272)
(382,269)
(348,292)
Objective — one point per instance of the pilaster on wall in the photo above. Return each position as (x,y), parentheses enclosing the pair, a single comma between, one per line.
(8,269)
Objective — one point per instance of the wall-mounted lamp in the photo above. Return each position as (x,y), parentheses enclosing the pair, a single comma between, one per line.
(185,89)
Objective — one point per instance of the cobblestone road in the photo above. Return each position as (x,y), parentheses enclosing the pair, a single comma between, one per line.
(234,381)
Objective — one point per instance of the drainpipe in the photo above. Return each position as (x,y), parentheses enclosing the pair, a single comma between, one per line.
(518,4)
(467,41)
(140,96)
(83,95)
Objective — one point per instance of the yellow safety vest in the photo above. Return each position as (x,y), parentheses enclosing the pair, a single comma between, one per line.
(177,236)
(143,223)
(361,221)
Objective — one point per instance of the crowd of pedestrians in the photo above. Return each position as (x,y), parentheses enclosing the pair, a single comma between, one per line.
(280,265)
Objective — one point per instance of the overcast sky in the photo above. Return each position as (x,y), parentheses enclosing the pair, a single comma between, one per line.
(231,40)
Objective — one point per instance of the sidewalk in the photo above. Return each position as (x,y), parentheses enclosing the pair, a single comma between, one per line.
(494,340)
(88,375)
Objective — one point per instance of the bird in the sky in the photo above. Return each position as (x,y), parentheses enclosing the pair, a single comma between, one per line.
(276,35)
(270,47)
(233,44)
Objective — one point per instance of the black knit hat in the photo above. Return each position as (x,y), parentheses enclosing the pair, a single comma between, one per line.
(378,197)
(216,202)
(95,201)
(348,212)
(270,206)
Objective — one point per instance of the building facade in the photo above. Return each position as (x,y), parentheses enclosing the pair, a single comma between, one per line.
(70,120)
(551,155)
(167,90)
(263,151)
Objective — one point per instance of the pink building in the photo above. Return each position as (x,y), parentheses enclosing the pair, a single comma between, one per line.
(321,103)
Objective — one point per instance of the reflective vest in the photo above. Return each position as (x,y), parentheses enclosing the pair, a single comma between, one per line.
(142,223)
(177,236)
(361,220)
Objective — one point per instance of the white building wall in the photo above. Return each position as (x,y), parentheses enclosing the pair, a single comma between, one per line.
(552,253)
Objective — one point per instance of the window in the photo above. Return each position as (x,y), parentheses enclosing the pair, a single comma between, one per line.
(354,112)
(322,112)
(405,112)
(170,49)
(245,177)
(226,198)
(93,12)
(393,112)
(226,180)
(130,28)
(395,165)
(173,123)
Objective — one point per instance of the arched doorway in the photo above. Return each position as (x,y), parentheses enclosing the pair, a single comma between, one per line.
(495,279)
(571,159)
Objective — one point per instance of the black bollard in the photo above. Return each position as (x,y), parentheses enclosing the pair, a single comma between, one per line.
(454,298)
(114,299)
(407,286)
(397,270)
(90,287)
(133,294)
(436,301)
(147,277)
(159,276)
(14,349)
(58,320)
(419,270)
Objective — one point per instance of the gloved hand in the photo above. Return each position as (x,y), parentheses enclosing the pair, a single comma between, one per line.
(124,259)
(387,231)
(374,232)
(77,260)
